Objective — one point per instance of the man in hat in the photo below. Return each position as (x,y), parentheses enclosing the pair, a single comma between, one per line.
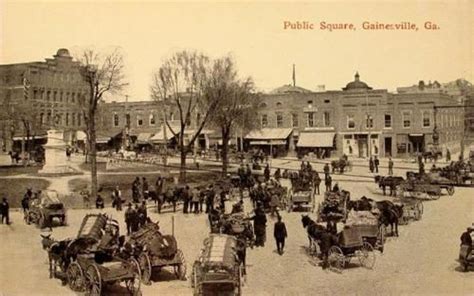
(390,166)
(5,211)
(376,164)
(129,218)
(466,238)
(280,234)
(259,225)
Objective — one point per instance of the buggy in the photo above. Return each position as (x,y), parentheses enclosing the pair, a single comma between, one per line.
(218,271)
(342,165)
(43,210)
(369,228)
(302,193)
(351,244)
(412,210)
(155,251)
(334,206)
(433,178)
(95,260)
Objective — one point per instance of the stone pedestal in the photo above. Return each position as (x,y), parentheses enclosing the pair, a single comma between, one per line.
(56,161)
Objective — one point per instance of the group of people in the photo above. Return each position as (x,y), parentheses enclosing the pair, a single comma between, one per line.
(374,164)
(135,217)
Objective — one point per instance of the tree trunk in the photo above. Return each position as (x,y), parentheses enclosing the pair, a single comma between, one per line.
(225,148)
(93,155)
(183,149)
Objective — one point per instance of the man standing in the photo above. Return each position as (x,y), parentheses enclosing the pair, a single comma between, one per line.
(328,182)
(129,216)
(210,194)
(371,164)
(145,188)
(317,182)
(142,214)
(266,173)
(5,211)
(280,235)
(376,163)
(390,166)
(259,225)
(326,170)
(117,198)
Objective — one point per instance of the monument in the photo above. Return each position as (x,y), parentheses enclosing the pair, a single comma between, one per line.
(56,161)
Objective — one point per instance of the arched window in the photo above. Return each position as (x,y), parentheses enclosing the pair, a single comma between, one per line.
(263,105)
(278,104)
(116,119)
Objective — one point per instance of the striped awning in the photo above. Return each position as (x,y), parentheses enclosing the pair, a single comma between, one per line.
(144,138)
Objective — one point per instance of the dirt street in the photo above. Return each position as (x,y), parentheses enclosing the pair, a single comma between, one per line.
(421,261)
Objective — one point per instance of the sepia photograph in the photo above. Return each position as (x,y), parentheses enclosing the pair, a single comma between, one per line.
(217,148)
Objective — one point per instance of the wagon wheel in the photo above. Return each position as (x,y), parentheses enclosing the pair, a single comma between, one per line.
(336,258)
(75,277)
(381,239)
(145,268)
(93,281)
(133,284)
(450,190)
(366,256)
(180,268)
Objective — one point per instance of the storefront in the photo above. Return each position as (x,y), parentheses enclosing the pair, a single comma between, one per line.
(320,144)
(272,141)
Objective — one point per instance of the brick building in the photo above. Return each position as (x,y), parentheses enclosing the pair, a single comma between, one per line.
(51,91)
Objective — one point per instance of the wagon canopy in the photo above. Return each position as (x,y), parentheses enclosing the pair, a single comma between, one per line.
(49,198)
(220,251)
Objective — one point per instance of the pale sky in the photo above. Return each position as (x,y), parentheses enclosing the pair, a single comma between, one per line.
(148,32)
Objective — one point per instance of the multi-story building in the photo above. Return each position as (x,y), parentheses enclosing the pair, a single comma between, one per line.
(51,92)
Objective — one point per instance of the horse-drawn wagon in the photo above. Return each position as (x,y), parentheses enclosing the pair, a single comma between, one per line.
(351,244)
(44,209)
(155,251)
(432,178)
(412,210)
(219,270)
(419,189)
(342,165)
(301,195)
(369,228)
(95,259)
(334,206)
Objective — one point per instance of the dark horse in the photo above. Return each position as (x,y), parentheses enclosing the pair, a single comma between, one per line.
(57,256)
(390,214)
(320,235)
(390,182)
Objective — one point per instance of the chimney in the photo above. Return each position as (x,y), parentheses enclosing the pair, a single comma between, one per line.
(321,88)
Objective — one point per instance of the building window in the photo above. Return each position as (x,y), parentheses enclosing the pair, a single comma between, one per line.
(279,120)
(326,118)
(73,97)
(127,119)
(171,116)
(139,120)
(294,119)
(67,119)
(406,119)
(35,94)
(388,121)
(310,104)
(152,120)
(264,120)
(55,94)
(369,121)
(327,101)
(79,119)
(48,95)
(310,119)
(350,121)
(426,118)
(67,98)
(61,95)
(41,118)
(73,115)
(116,119)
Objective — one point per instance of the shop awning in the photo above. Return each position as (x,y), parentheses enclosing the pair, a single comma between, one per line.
(416,135)
(102,138)
(269,134)
(144,138)
(160,136)
(268,142)
(316,140)
(19,138)
(81,136)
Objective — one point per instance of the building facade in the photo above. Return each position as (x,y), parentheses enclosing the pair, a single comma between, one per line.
(50,94)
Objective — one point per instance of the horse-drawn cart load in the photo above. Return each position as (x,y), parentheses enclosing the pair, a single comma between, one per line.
(334,206)
(43,210)
(432,178)
(412,210)
(155,251)
(93,259)
(301,195)
(218,271)
(368,226)
(351,244)
(419,188)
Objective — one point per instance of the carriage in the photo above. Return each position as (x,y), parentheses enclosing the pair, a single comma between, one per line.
(419,189)
(95,258)
(301,195)
(154,251)
(342,165)
(433,178)
(219,270)
(334,206)
(43,210)
(238,225)
(369,228)
(412,210)
(351,243)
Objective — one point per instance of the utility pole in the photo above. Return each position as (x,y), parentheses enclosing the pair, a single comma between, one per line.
(368,125)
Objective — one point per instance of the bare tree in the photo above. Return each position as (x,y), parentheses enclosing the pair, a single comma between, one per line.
(238,106)
(179,84)
(104,74)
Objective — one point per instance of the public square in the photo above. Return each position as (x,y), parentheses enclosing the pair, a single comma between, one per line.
(421,261)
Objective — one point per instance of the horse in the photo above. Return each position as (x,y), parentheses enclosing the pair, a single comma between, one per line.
(390,214)
(390,181)
(56,254)
(320,235)
(362,204)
